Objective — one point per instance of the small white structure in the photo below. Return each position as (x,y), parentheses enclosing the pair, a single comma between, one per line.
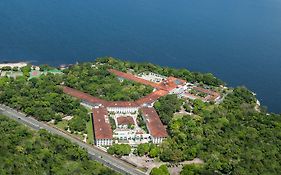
(153,77)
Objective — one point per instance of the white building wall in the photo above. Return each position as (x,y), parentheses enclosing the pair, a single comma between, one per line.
(124,135)
(104,142)
(87,105)
(122,109)
(157,140)
(131,135)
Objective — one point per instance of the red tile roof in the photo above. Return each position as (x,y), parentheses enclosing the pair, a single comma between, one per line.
(123,120)
(132,77)
(171,83)
(153,122)
(167,85)
(152,97)
(212,95)
(207,91)
(102,127)
(81,95)
(163,89)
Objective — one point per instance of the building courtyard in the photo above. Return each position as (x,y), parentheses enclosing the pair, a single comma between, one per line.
(135,122)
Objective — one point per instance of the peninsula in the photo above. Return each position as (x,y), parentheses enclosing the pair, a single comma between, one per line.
(157,119)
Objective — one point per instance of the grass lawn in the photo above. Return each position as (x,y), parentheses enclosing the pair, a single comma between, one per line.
(62,124)
(89,127)
(178,116)
(210,108)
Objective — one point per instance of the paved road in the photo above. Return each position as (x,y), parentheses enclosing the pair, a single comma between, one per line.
(95,153)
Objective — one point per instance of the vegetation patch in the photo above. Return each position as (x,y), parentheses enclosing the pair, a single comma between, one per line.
(95,79)
(230,137)
(23,151)
(90,131)
(119,150)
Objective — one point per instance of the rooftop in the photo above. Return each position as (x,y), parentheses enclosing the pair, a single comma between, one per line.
(132,77)
(125,120)
(102,127)
(153,122)
(83,96)
(169,84)
(101,123)
(163,89)
(152,97)
(207,91)
(212,95)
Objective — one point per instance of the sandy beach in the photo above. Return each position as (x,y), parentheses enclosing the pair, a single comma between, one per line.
(19,64)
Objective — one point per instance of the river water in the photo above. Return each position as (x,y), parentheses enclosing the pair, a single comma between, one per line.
(238,41)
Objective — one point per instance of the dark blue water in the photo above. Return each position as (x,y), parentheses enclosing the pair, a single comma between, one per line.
(237,40)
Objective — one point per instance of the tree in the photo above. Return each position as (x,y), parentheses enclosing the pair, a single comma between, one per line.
(45,67)
(162,170)
(143,149)
(43,99)
(101,83)
(26,69)
(25,151)
(154,152)
(15,69)
(119,150)
(77,123)
(166,106)
(187,107)
(141,122)
(191,169)
(6,68)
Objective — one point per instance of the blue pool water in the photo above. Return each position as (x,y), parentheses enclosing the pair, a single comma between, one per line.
(237,40)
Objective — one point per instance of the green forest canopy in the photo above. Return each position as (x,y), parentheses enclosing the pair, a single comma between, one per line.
(98,82)
(43,99)
(206,78)
(93,77)
(26,152)
(232,138)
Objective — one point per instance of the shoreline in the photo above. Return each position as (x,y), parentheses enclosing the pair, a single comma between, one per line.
(13,64)
(21,64)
